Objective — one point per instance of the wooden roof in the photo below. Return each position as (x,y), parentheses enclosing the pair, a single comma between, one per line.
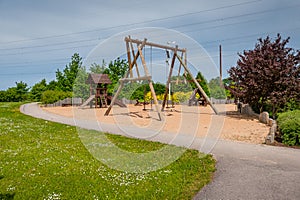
(98,78)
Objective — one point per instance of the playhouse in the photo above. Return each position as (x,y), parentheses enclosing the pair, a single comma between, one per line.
(98,91)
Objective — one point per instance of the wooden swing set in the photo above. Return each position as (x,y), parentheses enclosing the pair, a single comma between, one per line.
(133,55)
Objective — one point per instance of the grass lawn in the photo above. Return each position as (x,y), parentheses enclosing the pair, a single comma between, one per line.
(46,160)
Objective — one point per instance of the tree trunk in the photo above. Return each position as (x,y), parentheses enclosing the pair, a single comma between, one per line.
(274,111)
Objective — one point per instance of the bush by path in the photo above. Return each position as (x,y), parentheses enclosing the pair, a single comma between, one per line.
(289,127)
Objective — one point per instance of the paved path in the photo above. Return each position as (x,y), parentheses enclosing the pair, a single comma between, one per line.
(244,171)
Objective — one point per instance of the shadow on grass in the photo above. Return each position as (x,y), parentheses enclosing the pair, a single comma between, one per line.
(6,196)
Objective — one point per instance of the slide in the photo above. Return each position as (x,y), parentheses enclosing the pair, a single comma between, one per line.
(87,101)
(117,102)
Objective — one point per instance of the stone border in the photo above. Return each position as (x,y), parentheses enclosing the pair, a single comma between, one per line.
(265,119)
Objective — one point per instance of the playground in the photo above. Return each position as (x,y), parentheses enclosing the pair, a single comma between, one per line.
(236,127)
(199,118)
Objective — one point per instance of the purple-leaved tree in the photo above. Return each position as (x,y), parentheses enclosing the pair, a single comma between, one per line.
(268,75)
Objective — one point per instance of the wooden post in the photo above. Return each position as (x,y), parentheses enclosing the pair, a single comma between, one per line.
(129,59)
(122,82)
(114,98)
(150,81)
(198,85)
(132,51)
(116,95)
(169,80)
(220,48)
(177,80)
(185,62)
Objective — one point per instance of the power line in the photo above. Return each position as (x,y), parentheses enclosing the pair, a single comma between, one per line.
(136,23)
(37,73)
(172,27)
(208,42)
(48,50)
(237,16)
(97,39)
(52,44)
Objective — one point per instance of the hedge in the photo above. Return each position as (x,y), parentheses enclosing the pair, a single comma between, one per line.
(52,96)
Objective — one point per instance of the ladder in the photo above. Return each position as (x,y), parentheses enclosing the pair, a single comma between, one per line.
(103,101)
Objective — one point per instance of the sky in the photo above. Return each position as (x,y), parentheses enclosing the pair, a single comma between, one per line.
(39,37)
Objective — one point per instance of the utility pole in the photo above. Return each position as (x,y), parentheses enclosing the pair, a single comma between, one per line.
(220,50)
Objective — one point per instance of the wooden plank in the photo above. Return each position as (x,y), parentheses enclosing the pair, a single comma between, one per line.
(198,85)
(141,78)
(153,44)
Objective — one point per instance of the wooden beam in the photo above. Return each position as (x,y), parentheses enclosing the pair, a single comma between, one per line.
(198,85)
(141,78)
(153,44)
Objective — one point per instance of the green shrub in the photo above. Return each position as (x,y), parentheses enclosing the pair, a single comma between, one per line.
(289,126)
(52,96)
(180,97)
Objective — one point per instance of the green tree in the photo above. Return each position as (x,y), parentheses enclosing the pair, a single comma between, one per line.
(201,80)
(116,70)
(228,85)
(52,85)
(136,90)
(3,97)
(18,93)
(51,96)
(203,83)
(80,88)
(98,69)
(66,78)
(159,88)
(181,84)
(216,90)
(37,90)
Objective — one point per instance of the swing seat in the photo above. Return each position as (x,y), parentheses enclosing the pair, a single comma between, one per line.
(138,103)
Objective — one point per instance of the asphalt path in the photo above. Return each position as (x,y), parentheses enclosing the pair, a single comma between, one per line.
(244,171)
